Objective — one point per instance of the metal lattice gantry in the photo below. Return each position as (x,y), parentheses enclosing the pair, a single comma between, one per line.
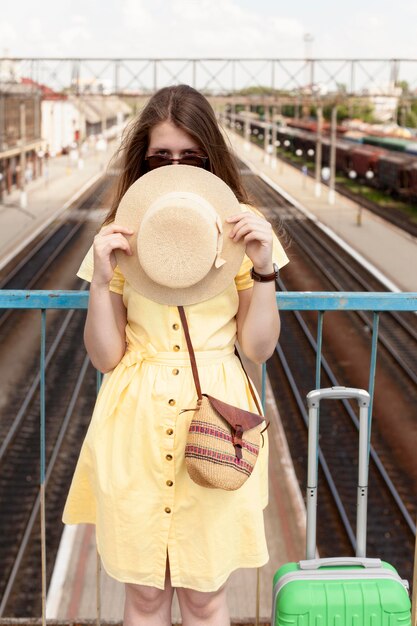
(216,76)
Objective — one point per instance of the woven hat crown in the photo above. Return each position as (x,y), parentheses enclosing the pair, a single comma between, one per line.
(181,249)
(187,224)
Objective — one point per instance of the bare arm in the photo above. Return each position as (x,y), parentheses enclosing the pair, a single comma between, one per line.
(258,323)
(104,333)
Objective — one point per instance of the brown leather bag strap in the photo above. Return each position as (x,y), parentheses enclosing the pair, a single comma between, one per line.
(255,399)
(190,351)
(194,363)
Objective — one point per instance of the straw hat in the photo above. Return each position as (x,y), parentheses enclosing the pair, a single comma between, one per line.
(182,252)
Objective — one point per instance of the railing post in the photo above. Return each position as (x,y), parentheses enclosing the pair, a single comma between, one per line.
(372,368)
(98,559)
(263,385)
(42,462)
(319,344)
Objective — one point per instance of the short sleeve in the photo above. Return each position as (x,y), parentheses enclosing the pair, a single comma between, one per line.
(243,279)
(86,272)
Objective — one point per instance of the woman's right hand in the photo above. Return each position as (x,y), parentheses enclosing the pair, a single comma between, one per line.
(109,239)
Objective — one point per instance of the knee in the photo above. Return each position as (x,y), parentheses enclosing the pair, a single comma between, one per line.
(204,605)
(144,599)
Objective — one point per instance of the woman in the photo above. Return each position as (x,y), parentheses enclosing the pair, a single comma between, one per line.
(157,530)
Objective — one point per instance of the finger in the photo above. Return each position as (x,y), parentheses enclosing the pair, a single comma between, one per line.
(243,229)
(116,241)
(238,225)
(257,236)
(253,220)
(235,218)
(116,228)
(245,215)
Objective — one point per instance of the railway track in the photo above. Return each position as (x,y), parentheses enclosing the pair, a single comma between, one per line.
(71,392)
(398,331)
(70,399)
(391,528)
(70,396)
(32,264)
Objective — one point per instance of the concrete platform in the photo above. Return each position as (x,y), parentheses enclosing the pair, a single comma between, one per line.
(47,197)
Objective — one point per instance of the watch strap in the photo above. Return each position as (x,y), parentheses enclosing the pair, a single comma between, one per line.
(265,278)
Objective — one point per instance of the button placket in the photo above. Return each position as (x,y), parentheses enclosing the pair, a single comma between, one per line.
(169,424)
(174,326)
(169,483)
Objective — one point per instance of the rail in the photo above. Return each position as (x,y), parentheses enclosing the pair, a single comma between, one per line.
(321,302)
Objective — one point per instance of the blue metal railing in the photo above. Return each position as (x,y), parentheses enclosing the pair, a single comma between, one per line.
(287,301)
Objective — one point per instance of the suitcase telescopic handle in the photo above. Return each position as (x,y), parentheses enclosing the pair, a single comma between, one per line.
(313,402)
(341,561)
(338,393)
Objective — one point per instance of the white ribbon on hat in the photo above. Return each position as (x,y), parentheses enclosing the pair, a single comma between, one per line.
(219,261)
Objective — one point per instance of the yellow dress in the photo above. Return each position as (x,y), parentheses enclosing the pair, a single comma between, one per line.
(131,480)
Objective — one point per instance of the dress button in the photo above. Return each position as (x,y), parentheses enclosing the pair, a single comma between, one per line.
(170,431)
(169,457)
(169,483)
(171,402)
(175,372)
(176,348)
(175,326)
(167,509)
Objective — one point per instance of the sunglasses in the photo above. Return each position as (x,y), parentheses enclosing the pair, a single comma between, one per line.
(159,160)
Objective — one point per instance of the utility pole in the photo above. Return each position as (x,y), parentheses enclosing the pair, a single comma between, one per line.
(233,113)
(274,140)
(2,142)
(318,150)
(308,43)
(22,181)
(332,155)
(247,128)
(267,135)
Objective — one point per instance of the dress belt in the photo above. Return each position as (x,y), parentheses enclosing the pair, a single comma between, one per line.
(132,360)
(180,358)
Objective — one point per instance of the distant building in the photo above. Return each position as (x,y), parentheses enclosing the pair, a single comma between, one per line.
(384,101)
(36,121)
(60,119)
(20,132)
(104,115)
(69,119)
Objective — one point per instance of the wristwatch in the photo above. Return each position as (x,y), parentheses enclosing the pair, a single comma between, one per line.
(265,278)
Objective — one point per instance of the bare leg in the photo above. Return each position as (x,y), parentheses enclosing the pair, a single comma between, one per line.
(148,606)
(203,609)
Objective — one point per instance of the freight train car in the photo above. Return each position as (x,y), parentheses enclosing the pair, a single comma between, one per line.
(373,163)
(392,174)
(410,192)
(363,160)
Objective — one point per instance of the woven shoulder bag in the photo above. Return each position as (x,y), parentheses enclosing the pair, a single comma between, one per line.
(223,441)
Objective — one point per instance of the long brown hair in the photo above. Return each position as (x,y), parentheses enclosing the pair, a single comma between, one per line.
(189,110)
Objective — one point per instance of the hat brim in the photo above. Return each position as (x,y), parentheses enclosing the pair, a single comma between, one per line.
(132,208)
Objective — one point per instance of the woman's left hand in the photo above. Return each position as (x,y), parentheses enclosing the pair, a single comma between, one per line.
(257,235)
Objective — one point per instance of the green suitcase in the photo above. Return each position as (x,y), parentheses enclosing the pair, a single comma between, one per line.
(343,591)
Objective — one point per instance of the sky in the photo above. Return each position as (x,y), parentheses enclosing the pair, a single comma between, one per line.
(209,28)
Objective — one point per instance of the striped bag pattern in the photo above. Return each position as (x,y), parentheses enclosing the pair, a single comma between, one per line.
(211,458)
